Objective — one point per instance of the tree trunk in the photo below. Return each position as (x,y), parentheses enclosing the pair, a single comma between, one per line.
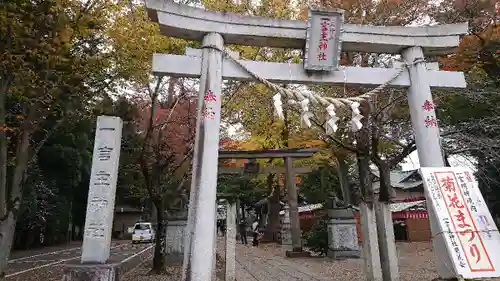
(372,265)
(28,240)
(343,172)
(160,243)
(386,192)
(7,229)
(273,222)
(446,159)
(8,222)
(73,232)
(3,149)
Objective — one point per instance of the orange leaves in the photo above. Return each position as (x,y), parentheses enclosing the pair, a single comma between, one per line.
(449,64)
(310,143)
(468,54)
(6,129)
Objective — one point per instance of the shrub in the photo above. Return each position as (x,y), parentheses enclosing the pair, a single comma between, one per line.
(316,239)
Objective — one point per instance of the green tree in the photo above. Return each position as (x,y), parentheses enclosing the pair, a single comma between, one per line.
(320,184)
(164,150)
(51,66)
(471,115)
(55,192)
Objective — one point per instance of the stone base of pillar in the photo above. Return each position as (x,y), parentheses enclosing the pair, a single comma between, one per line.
(90,272)
(342,234)
(297,253)
(175,233)
(344,254)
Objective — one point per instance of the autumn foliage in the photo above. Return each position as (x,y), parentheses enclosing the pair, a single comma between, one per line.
(172,130)
(478,49)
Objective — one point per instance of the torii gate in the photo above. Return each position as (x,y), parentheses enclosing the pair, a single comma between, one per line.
(215,29)
(288,155)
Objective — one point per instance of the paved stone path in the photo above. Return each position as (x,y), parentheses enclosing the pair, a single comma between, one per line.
(253,264)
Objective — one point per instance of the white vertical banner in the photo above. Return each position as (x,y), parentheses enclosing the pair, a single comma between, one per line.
(471,236)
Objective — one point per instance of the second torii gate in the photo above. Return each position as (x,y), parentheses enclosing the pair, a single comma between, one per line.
(215,29)
(288,155)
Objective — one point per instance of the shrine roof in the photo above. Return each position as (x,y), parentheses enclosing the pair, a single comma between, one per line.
(401,206)
(401,179)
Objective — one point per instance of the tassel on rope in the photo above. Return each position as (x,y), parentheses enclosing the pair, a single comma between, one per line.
(306,114)
(278,106)
(356,117)
(331,120)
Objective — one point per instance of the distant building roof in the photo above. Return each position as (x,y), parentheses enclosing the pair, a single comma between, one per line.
(128,209)
(398,207)
(393,207)
(401,179)
(307,208)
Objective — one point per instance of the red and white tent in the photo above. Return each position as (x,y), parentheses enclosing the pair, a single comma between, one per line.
(409,210)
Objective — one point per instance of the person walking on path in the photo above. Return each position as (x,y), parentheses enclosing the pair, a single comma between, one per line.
(242,228)
(255,233)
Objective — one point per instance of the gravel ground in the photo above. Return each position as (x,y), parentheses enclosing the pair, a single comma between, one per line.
(141,272)
(43,250)
(416,263)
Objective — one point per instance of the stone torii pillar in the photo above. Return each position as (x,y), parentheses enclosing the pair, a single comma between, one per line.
(319,67)
(201,219)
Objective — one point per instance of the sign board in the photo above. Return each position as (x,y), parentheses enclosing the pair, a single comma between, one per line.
(323,44)
(471,236)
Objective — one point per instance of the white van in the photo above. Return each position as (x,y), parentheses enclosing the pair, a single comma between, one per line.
(143,232)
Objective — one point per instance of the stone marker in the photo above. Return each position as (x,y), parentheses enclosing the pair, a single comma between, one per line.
(102,190)
(342,233)
(286,232)
(343,239)
(100,206)
(174,242)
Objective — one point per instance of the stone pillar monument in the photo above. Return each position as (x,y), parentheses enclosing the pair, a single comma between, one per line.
(100,205)
(102,190)
(342,234)
(175,233)
(286,233)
